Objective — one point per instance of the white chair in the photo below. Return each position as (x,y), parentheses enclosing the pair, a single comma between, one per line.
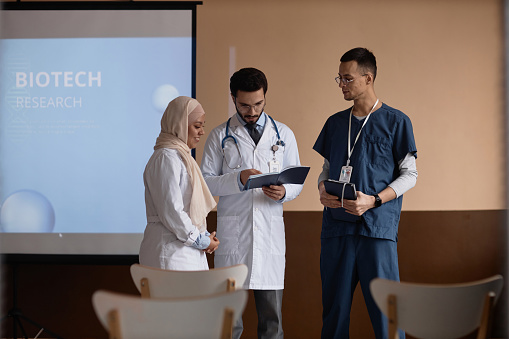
(158,283)
(132,317)
(437,311)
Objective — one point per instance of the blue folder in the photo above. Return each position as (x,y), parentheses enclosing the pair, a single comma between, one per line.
(345,190)
(290,175)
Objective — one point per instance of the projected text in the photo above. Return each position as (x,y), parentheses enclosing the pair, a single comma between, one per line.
(58,79)
(48,102)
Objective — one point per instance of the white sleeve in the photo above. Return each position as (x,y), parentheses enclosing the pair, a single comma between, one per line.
(325,171)
(219,183)
(162,179)
(407,175)
(291,158)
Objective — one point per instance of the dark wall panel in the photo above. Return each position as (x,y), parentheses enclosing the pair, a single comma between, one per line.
(434,247)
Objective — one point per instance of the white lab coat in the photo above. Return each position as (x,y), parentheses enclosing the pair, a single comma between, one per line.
(250,225)
(170,232)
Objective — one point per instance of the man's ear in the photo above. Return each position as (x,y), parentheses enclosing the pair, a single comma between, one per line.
(233,98)
(369,78)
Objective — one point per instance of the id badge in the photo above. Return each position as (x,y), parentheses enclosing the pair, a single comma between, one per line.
(274,166)
(346,173)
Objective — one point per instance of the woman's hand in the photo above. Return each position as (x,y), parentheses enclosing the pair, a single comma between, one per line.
(214,243)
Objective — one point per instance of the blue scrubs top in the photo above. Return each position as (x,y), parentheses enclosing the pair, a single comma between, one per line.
(386,139)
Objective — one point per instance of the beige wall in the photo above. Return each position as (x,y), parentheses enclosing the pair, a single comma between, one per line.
(440,62)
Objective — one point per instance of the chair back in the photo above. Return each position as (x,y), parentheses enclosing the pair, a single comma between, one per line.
(158,283)
(132,317)
(437,311)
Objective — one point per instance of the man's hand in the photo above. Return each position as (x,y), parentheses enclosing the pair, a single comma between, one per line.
(245,174)
(357,207)
(274,192)
(327,199)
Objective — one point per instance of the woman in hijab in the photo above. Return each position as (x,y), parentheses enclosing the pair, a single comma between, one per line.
(177,198)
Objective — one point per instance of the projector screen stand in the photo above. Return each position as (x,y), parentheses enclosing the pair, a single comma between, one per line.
(17,316)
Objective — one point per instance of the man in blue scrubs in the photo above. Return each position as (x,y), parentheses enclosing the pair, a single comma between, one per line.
(371,145)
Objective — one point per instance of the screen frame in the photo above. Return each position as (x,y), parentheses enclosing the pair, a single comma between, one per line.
(99,259)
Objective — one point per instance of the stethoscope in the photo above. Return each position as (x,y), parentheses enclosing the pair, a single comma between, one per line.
(274,148)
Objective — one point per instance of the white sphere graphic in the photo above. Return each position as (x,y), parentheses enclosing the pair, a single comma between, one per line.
(163,95)
(27,211)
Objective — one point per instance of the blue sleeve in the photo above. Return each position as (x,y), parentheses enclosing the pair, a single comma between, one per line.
(322,145)
(202,242)
(404,141)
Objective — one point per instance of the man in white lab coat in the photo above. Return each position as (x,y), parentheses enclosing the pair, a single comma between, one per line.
(250,222)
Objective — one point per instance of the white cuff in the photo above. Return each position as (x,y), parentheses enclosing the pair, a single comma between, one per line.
(191,237)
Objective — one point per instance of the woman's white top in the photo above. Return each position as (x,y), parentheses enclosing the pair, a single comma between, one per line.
(170,234)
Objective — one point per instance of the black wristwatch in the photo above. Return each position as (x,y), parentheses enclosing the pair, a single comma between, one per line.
(378,201)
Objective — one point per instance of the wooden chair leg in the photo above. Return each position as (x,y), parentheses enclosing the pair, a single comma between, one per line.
(145,288)
(227,330)
(114,325)
(484,328)
(230,285)
(393,317)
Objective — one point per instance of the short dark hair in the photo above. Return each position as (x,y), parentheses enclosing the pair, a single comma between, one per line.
(364,57)
(248,80)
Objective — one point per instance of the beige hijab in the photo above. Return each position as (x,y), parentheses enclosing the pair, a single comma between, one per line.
(174,124)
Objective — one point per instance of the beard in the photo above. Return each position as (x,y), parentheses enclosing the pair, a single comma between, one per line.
(244,117)
(250,116)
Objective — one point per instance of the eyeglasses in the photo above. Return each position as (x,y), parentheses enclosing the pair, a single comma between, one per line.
(345,81)
(244,108)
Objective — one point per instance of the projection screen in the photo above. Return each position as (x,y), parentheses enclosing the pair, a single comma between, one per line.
(83,87)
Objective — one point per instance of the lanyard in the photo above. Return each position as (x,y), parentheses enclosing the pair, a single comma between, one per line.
(350,150)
